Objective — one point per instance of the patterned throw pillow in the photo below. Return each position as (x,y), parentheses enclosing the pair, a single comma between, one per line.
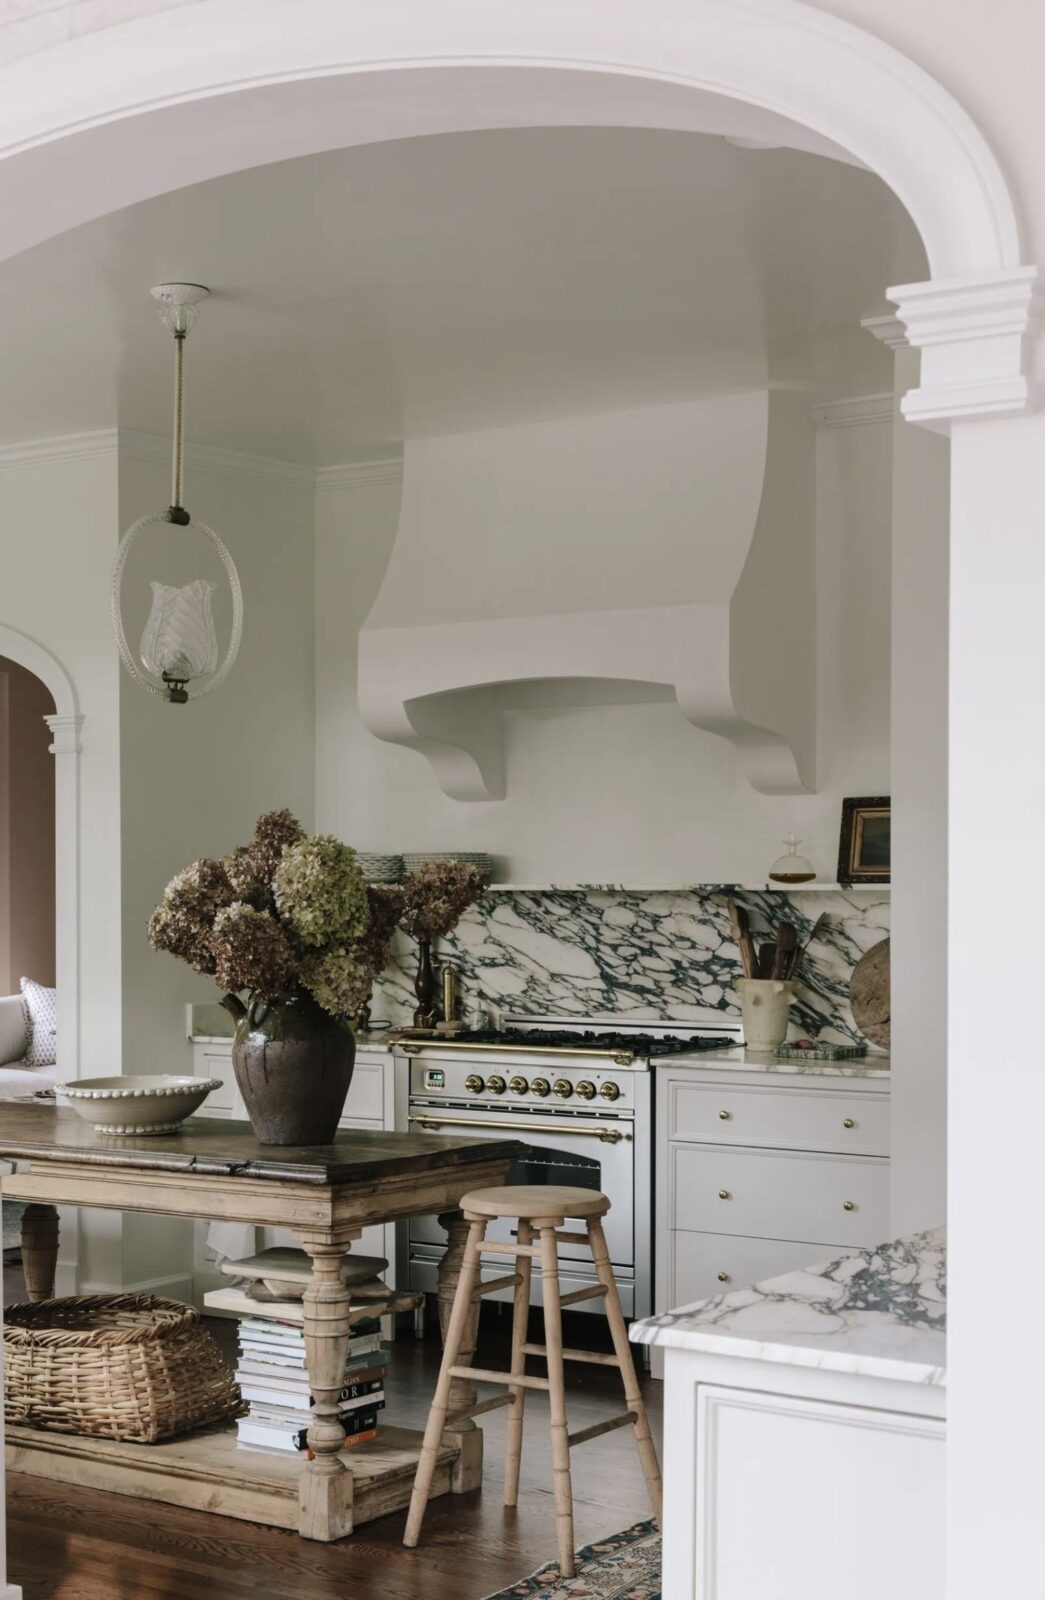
(42,1006)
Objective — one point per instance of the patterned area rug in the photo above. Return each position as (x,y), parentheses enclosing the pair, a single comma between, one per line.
(624,1567)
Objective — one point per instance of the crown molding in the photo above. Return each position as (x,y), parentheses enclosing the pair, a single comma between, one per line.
(970,333)
(860,411)
(62,447)
(141,446)
(360,474)
(888,330)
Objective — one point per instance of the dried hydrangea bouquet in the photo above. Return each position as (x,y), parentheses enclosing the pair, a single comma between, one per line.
(289,922)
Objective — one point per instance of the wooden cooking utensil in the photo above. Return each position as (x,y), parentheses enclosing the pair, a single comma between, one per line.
(766,958)
(800,955)
(784,950)
(740,927)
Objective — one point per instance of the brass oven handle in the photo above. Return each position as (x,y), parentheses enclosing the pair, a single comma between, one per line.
(607,1135)
(414,1047)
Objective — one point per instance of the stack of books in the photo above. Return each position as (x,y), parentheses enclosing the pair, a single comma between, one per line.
(274,1382)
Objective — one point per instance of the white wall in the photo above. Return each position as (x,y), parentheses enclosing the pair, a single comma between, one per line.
(631,793)
(921,521)
(195,778)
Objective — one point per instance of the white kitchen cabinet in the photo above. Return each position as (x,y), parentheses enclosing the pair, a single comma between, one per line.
(370,1107)
(760,1172)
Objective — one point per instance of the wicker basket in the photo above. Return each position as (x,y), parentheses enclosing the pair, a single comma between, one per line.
(120,1366)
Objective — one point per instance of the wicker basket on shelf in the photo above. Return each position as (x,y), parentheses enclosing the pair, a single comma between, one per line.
(119,1366)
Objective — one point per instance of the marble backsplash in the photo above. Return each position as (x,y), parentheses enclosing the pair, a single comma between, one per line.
(663,956)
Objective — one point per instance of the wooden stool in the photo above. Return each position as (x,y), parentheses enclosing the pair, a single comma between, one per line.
(541,1210)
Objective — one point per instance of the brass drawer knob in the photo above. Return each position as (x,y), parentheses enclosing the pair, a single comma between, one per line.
(725,1116)
(847,1122)
(848,1205)
(723,1277)
(724,1194)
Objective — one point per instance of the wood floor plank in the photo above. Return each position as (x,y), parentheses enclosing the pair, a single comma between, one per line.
(67,1543)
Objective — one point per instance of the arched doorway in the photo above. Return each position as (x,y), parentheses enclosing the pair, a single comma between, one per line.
(205,90)
(27,902)
(64,724)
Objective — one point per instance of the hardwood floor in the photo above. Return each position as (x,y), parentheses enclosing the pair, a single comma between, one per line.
(66,1544)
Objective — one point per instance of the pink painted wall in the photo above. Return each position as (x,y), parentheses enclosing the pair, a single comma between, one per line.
(27,931)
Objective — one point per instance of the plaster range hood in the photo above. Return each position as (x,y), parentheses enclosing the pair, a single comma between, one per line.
(628,556)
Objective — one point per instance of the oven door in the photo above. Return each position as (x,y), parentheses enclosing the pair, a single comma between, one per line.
(590,1154)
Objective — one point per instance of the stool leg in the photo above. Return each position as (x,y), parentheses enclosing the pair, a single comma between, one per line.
(520,1318)
(463,1307)
(557,1397)
(622,1348)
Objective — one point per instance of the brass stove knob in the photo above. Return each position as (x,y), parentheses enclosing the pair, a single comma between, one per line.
(474,1084)
(496,1085)
(586,1089)
(518,1085)
(540,1086)
(563,1089)
(610,1091)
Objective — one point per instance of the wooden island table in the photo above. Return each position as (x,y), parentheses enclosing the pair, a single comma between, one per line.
(216,1170)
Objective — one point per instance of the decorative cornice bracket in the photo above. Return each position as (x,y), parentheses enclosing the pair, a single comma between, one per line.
(971,334)
(65,734)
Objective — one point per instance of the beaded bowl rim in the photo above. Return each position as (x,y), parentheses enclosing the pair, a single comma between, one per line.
(163,1086)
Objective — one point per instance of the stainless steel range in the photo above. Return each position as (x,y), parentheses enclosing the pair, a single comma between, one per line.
(581,1098)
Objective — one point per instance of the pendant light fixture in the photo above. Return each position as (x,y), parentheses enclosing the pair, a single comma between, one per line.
(179,648)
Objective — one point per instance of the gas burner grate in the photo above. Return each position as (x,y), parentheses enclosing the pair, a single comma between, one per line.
(639,1044)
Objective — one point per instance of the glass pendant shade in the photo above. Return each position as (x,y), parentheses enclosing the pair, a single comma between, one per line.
(180,641)
(179,647)
(792,868)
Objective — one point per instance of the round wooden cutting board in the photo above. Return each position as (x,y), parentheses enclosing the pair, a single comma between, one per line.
(869,994)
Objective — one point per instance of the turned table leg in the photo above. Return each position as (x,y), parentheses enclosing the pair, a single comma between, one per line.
(39,1250)
(325,1511)
(467,1470)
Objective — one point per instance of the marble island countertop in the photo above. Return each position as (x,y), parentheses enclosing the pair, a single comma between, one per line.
(878,1313)
(738,1058)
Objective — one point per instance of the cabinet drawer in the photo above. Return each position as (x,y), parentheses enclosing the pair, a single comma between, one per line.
(366,1094)
(216,1064)
(785,1119)
(704,1264)
(780,1195)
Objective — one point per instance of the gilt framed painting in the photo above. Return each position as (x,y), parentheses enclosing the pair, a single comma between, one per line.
(865,846)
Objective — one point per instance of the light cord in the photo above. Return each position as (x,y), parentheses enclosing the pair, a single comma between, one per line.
(179,419)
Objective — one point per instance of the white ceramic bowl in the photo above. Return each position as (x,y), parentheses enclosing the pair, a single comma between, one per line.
(137,1105)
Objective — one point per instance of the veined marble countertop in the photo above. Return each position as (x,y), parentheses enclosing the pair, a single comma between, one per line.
(880,1313)
(740,1059)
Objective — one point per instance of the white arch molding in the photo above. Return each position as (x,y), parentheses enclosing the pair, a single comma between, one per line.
(188,94)
(65,727)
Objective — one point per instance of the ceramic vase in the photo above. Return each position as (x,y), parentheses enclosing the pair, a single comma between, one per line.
(764,1006)
(293,1063)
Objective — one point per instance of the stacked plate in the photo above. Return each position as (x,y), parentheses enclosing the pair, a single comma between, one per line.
(470,858)
(379,869)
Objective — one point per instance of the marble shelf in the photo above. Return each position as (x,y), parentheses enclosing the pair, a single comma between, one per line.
(687,888)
